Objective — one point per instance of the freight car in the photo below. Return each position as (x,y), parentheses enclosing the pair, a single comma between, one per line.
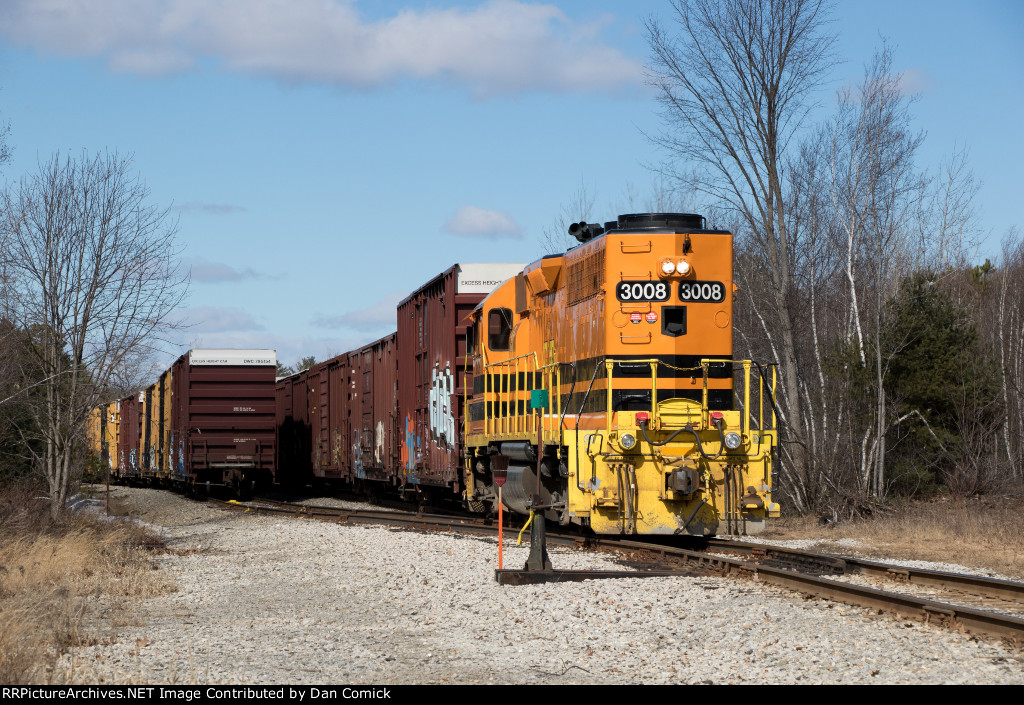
(102,433)
(390,413)
(209,421)
(598,385)
(336,420)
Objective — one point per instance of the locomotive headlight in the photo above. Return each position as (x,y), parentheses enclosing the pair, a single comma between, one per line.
(627,440)
(683,267)
(668,267)
(732,440)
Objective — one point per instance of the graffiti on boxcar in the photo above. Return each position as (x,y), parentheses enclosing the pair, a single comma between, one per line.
(410,451)
(357,453)
(442,420)
(378,446)
(336,447)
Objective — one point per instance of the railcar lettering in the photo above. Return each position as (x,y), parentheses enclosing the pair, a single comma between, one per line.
(243,408)
(642,291)
(702,292)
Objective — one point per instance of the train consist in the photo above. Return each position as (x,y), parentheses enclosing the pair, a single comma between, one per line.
(209,421)
(596,386)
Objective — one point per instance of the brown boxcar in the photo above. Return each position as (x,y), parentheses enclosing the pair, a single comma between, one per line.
(432,366)
(339,417)
(327,388)
(372,404)
(150,423)
(223,418)
(294,435)
(390,411)
(130,436)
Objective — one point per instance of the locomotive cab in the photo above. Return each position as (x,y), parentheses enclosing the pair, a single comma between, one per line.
(604,382)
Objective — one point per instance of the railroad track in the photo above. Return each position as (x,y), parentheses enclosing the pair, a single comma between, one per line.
(815,574)
(411,520)
(965,590)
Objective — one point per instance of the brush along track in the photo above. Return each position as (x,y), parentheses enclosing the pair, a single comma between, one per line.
(794,570)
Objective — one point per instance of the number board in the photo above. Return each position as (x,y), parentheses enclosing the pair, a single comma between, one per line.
(642,291)
(698,292)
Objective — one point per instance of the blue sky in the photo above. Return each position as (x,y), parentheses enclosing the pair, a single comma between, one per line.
(327,157)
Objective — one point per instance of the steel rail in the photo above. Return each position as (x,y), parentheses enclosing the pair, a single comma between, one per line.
(969,619)
(436,522)
(974,584)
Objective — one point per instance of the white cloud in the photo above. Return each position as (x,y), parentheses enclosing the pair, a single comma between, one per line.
(209,208)
(206,272)
(480,222)
(381,315)
(498,47)
(915,81)
(215,319)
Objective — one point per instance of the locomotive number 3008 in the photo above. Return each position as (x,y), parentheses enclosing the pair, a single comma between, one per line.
(642,291)
(713,292)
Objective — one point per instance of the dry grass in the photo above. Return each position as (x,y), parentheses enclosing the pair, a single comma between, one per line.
(982,533)
(50,573)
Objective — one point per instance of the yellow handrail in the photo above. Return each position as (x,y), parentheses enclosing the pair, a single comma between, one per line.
(518,419)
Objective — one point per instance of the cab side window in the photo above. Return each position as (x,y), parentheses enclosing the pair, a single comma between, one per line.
(499,328)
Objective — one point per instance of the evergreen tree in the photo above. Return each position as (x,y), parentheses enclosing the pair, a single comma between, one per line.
(941,381)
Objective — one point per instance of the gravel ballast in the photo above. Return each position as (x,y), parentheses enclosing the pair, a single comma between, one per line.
(264,599)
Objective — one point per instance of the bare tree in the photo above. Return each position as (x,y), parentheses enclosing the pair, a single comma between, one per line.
(875,192)
(1009,341)
(93,279)
(736,83)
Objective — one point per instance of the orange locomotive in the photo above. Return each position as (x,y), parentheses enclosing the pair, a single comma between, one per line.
(605,392)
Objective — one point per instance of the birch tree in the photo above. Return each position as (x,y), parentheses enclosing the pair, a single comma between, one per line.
(735,81)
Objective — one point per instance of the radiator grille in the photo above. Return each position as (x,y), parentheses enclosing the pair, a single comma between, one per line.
(586,277)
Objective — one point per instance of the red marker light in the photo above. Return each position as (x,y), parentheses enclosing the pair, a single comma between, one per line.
(717,416)
(641,417)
